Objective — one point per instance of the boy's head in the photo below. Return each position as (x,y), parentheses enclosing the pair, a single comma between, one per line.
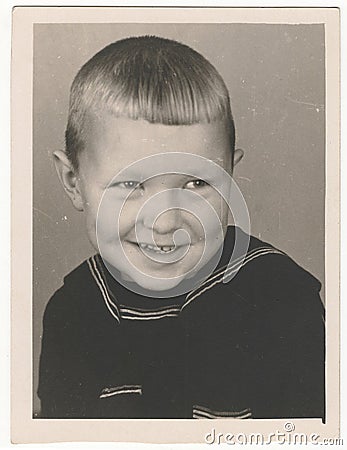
(150,78)
(134,106)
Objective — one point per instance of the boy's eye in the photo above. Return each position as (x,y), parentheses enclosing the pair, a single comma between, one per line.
(129,184)
(195,184)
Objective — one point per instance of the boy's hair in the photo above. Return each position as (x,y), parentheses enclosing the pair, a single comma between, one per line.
(151,78)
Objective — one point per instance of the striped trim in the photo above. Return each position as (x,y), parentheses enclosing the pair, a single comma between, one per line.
(125,389)
(123,312)
(97,275)
(201,412)
(139,314)
(220,275)
(236,262)
(127,313)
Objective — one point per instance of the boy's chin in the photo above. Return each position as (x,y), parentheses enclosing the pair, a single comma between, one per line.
(154,284)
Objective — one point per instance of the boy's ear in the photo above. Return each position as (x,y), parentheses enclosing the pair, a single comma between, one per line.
(238,155)
(68,178)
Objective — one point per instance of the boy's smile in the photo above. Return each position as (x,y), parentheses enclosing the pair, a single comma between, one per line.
(151,211)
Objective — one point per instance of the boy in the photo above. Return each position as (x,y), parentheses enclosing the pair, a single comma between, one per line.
(163,322)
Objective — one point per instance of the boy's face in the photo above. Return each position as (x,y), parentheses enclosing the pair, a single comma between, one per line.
(111,204)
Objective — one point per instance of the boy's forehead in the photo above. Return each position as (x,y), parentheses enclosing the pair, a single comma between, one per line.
(122,131)
(109,139)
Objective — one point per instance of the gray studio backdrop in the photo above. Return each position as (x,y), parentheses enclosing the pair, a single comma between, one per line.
(275,74)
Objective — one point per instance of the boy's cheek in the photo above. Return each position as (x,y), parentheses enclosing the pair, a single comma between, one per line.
(216,212)
(91,233)
(126,214)
(94,224)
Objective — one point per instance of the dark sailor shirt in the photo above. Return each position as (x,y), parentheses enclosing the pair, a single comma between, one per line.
(253,347)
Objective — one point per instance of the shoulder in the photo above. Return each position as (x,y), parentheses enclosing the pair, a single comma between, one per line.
(76,296)
(263,278)
(275,285)
(271,269)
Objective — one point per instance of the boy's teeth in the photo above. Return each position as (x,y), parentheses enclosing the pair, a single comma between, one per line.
(160,249)
(166,248)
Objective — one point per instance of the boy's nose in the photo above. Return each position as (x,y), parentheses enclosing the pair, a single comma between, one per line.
(164,214)
(168,222)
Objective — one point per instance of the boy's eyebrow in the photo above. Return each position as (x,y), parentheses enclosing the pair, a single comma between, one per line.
(142,175)
(127,175)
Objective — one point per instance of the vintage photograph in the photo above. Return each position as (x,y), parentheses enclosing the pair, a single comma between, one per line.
(149,92)
(179,221)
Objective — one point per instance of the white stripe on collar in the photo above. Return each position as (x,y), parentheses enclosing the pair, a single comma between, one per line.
(153,317)
(97,275)
(135,314)
(147,312)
